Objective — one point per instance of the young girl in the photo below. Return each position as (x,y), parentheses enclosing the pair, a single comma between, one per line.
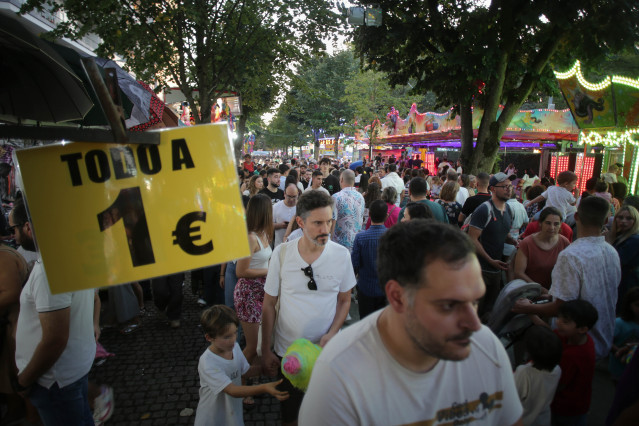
(626,333)
(221,367)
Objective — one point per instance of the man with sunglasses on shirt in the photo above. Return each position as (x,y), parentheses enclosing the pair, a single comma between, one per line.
(315,281)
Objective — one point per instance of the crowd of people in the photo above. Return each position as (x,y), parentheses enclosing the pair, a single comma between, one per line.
(424,255)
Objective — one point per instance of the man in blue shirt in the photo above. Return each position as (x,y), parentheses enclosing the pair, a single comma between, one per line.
(370,296)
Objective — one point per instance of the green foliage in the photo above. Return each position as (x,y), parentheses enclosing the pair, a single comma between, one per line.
(204,46)
(453,47)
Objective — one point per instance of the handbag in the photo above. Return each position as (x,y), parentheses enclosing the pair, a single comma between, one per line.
(277,305)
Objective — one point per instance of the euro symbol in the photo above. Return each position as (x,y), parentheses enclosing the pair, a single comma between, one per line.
(183,231)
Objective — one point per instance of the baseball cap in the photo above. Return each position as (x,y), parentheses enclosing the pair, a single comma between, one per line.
(497,178)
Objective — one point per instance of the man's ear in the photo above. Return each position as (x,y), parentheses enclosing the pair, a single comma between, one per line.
(396,295)
(208,338)
(300,222)
(28,229)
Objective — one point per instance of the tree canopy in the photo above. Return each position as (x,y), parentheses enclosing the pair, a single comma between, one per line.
(204,46)
(472,53)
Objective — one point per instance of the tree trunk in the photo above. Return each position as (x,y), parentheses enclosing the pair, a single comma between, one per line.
(240,131)
(467,149)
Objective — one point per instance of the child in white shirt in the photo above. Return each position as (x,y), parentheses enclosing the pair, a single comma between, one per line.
(537,381)
(560,196)
(221,368)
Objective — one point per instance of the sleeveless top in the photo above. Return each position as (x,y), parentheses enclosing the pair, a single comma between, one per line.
(259,259)
(23,268)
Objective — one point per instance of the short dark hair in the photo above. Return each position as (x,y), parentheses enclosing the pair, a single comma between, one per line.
(580,311)
(418,211)
(378,211)
(626,312)
(483,177)
(417,186)
(631,200)
(403,254)
(593,211)
(311,200)
(19,212)
(317,173)
(544,347)
(283,168)
(392,167)
(272,171)
(549,210)
(216,320)
(601,186)
(590,183)
(325,160)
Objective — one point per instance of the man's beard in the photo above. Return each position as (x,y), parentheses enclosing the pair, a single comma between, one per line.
(27,243)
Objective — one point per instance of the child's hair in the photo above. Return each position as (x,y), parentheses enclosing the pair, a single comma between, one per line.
(543,346)
(216,320)
(580,311)
(631,297)
(566,177)
(601,186)
(418,211)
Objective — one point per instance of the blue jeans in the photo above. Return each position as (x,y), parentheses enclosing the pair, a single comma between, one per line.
(230,279)
(67,406)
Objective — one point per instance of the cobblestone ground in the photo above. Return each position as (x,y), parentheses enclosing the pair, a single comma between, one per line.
(154,371)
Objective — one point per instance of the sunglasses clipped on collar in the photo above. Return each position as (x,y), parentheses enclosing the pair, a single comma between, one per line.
(308,271)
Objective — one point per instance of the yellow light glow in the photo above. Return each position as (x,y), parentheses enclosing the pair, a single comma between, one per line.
(576,70)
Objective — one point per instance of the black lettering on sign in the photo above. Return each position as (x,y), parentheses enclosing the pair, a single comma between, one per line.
(184,230)
(128,206)
(126,168)
(149,159)
(74,168)
(97,164)
(181,154)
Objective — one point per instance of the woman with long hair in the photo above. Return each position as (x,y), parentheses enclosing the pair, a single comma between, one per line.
(363,183)
(255,185)
(251,271)
(537,253)
(624,237)
(374,193)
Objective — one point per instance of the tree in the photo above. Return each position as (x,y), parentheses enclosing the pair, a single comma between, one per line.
(204,46)
(316,96)
(470,54)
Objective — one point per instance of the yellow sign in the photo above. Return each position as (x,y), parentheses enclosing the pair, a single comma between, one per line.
(106,214)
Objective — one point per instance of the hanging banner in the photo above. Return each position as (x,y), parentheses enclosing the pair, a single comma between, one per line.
(106,214)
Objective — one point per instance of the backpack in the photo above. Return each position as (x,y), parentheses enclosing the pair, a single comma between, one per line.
(491,215)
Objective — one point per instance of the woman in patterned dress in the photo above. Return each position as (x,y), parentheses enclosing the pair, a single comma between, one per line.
(251,271)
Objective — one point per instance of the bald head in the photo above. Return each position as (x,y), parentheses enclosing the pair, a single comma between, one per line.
(347,178)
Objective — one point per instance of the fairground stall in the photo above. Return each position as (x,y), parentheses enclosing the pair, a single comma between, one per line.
(607,113)
(433,135)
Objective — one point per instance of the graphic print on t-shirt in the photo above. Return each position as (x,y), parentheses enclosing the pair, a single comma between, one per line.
(467,412)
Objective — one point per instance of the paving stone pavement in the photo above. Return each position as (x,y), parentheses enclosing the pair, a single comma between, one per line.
(154,371)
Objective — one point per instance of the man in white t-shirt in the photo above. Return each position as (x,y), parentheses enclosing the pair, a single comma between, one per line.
(588,269)
(283,212)
(55,344)
(314,282)
(316,183)
(393,179)
(425,358)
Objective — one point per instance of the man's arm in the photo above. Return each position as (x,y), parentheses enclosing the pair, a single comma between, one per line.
(269,359)
(55,335)
(474,234)
(341,312)
(547,310)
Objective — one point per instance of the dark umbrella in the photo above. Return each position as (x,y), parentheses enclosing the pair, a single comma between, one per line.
(35,82)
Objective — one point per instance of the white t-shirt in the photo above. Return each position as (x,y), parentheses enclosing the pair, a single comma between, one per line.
(217,407)
(321,188)
(560,198)
(589,269)
(281,213)
(462,195)
(536,390)
(78,356)
(356,381)
(307,313)
(393,179)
